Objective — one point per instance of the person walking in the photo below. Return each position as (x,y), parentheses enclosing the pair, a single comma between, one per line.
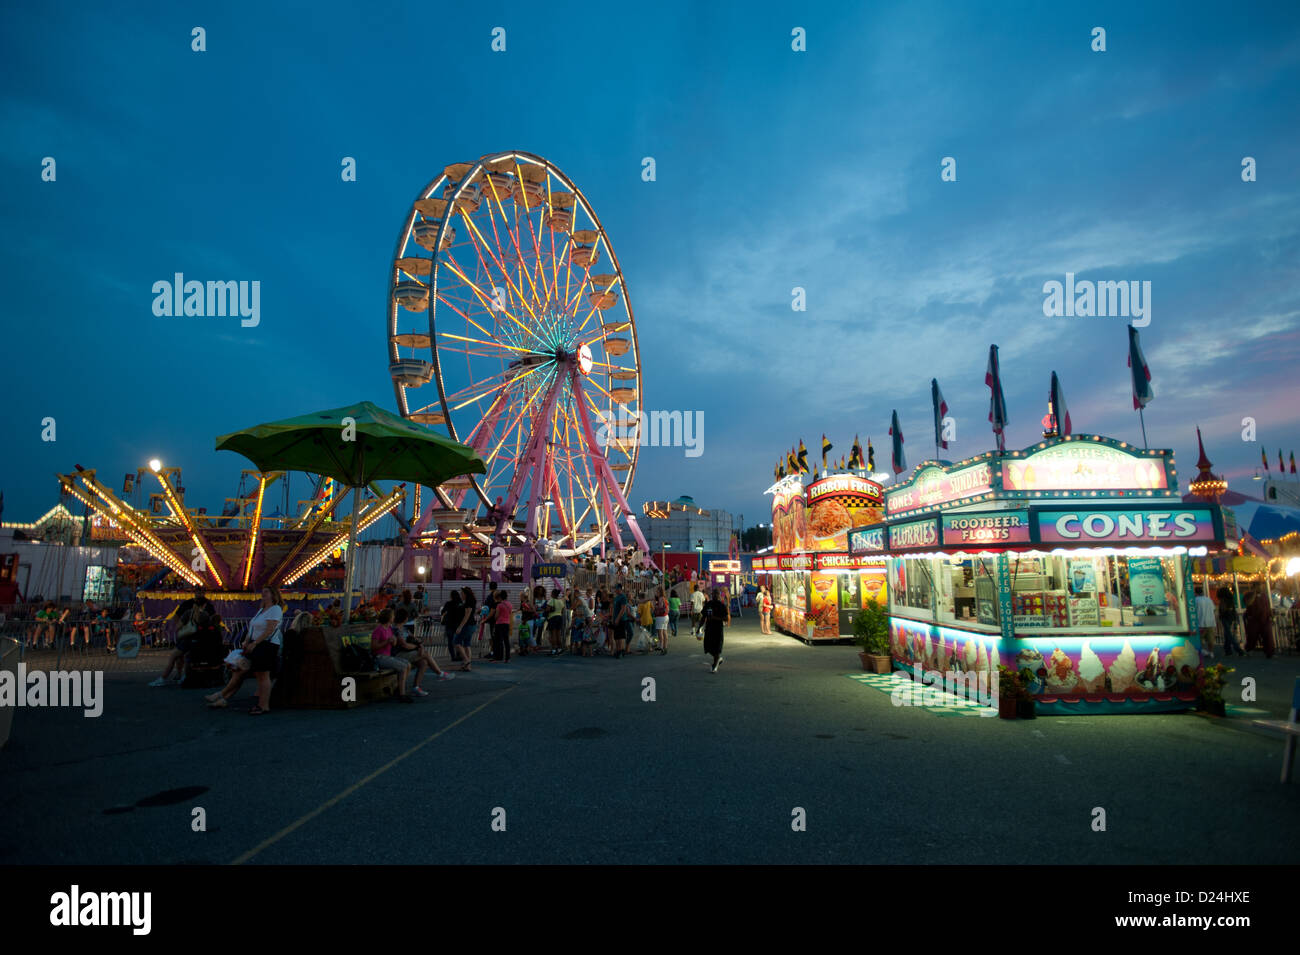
(764,601)
(697,611)
(1228,618)
(1205,620)
(674,610)
(660,611)
(716,615)
(465,629)
(1259,623)
(621,622)
(501,617)
(449,616)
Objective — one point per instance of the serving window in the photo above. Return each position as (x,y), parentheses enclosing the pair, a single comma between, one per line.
(1097,593)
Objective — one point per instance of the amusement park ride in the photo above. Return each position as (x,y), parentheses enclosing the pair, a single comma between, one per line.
(530,338)
(243,549)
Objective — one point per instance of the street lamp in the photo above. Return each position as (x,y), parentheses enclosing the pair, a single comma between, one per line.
(663,562)
(155,465)
(699,549)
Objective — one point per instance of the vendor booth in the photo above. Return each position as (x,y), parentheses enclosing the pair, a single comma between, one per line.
(1069,561)
(817,585)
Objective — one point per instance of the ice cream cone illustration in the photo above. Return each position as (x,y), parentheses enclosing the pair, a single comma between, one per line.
(1092,675)
(1123,672)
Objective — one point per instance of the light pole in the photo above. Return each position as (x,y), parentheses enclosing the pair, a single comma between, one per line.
(663,563)
(699,549)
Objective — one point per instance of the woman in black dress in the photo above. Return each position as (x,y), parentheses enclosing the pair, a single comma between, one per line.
(716,615)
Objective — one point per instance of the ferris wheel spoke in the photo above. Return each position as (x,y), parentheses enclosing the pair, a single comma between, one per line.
(514,235)
(500,264)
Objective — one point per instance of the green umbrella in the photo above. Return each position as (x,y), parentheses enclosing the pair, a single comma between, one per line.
(382,446)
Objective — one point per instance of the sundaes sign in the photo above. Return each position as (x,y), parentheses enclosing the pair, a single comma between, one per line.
(932,487)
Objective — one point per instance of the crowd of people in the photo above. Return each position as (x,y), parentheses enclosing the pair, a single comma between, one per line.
(1223,622)
(627,617)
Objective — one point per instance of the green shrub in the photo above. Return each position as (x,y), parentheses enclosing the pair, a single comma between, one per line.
(871,629)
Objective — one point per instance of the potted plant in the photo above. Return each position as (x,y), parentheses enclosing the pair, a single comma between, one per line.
(871,634)
(1209,688)
(1026,706)
(1009,690)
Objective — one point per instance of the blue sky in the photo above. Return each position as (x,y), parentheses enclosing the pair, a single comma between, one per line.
(775,169)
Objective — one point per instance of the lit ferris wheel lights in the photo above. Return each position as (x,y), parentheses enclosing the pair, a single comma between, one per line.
(501,252)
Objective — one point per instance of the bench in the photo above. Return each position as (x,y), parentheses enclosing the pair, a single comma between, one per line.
(1289,728)
(312,675)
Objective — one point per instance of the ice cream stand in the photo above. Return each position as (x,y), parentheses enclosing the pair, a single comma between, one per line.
(1068,560)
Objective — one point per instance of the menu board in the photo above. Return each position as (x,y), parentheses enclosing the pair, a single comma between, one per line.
(1084,612)
(1146,583)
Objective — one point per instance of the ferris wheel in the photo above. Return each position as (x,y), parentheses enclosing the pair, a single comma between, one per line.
(529,353)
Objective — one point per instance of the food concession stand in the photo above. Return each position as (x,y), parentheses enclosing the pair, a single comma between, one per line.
(1069,561)
(816,584)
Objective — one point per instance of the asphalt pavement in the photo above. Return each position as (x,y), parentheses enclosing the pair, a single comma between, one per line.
(563,760)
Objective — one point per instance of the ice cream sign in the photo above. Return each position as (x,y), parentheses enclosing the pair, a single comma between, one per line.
(1085,466)
(999,527)
(867,540)
(1131,526)
(933,487)
(915,535)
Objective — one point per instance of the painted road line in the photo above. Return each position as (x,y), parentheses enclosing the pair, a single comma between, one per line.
(334,800)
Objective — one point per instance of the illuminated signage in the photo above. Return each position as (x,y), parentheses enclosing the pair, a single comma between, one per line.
(549,570)
(848,561)
(724,566)
(934,487)
(867,540)
(795,562)
(845,485)
(1142,525)
(915,535)
(1000,527)
(1084,466)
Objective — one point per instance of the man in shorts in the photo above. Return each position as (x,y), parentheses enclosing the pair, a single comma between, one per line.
(697,612)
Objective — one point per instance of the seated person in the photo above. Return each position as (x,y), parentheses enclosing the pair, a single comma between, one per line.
(382,643)
(409,648)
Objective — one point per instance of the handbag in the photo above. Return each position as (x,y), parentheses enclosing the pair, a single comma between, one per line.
(355,657)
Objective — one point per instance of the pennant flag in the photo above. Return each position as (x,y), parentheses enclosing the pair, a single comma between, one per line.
(803,457)
(776,471)
(1293,462)
(841,464)
(826,449)
(1057,402)
(1281,468)
(997,403)
(1263,456)
(128,484)
(940,409)
(1142,390)
(791,465)
(871,458)
(898,462)
(855,455)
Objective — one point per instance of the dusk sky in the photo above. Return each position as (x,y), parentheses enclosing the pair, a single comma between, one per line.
(776,169)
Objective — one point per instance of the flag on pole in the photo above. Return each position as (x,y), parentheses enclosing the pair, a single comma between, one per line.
(1281,468)
(1142,390)
(791,463)
(1293,462)
(1062,413)
(897,461)
(826,449)
(803,457)
(1263,456)
(855,455)
(997,403)
(871,458)
(841,464)
(940,409)
(128,483)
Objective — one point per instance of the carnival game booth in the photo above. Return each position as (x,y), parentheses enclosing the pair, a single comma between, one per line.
(1069,561)
(817,586)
